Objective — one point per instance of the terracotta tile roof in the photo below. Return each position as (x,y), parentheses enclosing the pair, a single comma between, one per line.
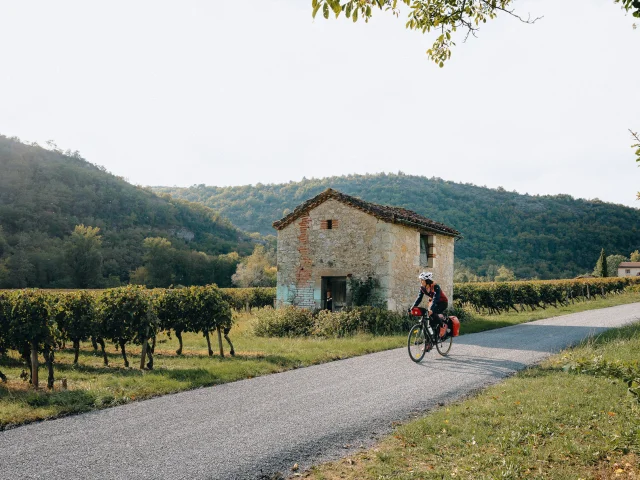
(382,212)
(629,265)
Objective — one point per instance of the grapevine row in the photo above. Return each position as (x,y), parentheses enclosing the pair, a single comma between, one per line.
(497,297)
(37,322)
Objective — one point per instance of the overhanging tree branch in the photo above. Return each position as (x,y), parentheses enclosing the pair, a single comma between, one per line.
(636,146)
(447,16)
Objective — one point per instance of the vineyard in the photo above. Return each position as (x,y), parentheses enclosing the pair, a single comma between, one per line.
(36,323)
(248,298)
(498,297)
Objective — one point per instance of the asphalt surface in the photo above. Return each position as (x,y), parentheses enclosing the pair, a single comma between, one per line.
(256,428)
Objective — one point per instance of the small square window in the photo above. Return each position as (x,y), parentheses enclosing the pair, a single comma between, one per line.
(427,251)
(424,249)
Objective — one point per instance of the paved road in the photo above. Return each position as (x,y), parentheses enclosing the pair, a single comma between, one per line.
(254,428)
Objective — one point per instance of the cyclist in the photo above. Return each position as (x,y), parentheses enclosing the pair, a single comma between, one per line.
(439,301)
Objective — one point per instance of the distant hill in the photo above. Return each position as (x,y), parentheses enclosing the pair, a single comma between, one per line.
(536,236)
(44,194)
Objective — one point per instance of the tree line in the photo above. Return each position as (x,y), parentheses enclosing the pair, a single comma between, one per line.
(533,236)
(65,223)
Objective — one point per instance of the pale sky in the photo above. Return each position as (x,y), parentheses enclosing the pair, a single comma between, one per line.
(236,93)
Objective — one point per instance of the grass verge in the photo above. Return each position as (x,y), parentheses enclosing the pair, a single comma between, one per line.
(572,417)
(92,386)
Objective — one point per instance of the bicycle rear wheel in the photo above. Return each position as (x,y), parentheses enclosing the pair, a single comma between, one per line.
(444,345)
(417,343)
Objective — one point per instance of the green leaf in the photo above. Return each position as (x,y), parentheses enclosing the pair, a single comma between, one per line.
(355,15)
(315,10)
(325,10)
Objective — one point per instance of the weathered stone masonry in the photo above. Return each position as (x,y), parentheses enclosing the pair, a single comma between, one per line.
(304,284)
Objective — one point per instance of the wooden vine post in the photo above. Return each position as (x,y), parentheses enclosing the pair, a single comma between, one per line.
(34,364)
(208,343)
(147,350)
(143,355)
(145,347)
(220,340)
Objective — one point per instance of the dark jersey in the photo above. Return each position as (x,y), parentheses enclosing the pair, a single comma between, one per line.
(436,296)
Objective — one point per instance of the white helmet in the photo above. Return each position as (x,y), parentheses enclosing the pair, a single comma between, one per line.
(426,276)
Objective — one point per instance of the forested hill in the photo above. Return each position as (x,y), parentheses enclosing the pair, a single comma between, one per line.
(45,194)
(536,236)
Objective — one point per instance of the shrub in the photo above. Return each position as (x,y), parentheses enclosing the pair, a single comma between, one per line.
(172,307)
(291,321)
(243,298)
(288,321)
(126,315)
(32,329)
(207,310)
(4,328)
(76,317)
(350,321)
(4,322)
(263,297)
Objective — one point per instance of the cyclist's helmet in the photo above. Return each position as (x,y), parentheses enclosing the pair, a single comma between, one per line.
(426,276)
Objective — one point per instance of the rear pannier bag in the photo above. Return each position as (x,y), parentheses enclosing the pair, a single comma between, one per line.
(455,326)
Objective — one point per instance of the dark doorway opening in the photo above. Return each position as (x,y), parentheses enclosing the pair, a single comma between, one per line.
(334,293)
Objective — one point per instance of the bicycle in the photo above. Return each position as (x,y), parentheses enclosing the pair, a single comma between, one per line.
(422,336)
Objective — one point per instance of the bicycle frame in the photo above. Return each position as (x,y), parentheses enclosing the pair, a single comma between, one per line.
(424,321)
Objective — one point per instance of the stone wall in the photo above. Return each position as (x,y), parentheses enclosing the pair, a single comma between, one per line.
(443,264)
(357,244)
(405,266)
(404,256)
(633,271)
(308,250)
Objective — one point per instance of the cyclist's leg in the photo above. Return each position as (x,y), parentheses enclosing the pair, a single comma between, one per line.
(434,317)
(437,322)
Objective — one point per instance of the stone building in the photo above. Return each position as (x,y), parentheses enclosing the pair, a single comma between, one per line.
(334,237)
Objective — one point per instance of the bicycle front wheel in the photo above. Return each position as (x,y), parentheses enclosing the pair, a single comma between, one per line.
(444,345)
(417,343)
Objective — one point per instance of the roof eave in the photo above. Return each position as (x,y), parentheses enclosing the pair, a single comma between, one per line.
(421,226)
(342,198)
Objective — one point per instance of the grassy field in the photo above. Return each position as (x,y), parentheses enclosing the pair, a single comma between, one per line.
(570,418)
(92,385)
